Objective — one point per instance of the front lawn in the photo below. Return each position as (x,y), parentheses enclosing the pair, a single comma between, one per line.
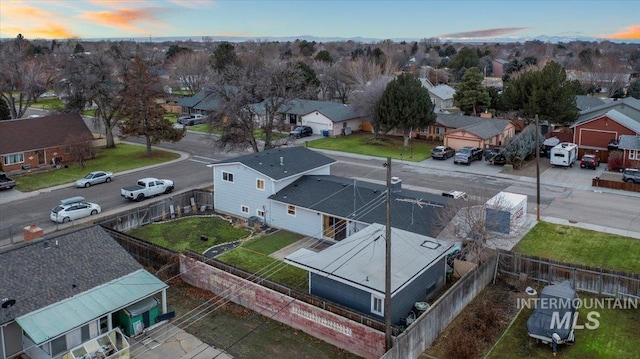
(581,246)
(185,233)
(614,337)
(385,146)
(121,158)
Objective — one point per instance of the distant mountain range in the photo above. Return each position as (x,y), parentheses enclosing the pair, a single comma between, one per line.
(201,38)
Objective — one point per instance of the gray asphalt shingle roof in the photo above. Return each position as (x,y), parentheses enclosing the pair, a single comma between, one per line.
(46,271)
(628,142)
(413,211)
(334,111)
(629,107)
(279,163)
(584,102)
(444,92)
(481,127)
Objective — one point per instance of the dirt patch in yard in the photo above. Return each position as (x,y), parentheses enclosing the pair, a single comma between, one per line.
(240,332)
(529,168)
(480,324)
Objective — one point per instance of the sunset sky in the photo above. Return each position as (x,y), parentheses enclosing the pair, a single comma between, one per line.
(400,19)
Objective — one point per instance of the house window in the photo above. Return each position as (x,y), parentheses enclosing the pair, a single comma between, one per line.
(245,209)
(377,305)
(260,184)
(227,176)
(260,213)
(291,210)
(440,131)
(13,158)
(633,155)
(293,119)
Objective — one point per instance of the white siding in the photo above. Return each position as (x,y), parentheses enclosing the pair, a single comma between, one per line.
(318,122)
(305,222)
(230,197)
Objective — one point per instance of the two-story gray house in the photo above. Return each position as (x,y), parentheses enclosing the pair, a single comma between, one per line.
(352,272)
(244,184)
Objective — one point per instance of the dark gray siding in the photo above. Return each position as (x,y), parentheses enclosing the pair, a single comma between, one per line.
(418,291)
(340,293)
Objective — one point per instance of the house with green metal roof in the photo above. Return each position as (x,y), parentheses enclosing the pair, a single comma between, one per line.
(63,291)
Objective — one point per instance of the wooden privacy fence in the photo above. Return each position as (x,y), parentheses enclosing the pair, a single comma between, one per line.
(424,331)
(618,284)
(625,186)
(177,205)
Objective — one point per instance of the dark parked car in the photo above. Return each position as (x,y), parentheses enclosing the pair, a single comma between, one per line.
(442,152)
(589,161)
(301,131)
(467,155)
(631,175)
(495,157)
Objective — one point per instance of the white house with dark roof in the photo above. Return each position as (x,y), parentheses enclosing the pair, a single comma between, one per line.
(61,292)
(352,272)
(243,184)
(333,117)
(333,208)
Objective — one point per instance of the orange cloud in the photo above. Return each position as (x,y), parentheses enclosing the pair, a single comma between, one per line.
(121,19)
(18,18)
(629,33)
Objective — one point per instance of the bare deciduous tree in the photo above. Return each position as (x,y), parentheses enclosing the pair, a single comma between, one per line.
(191,71)
(79,148)
(23,77)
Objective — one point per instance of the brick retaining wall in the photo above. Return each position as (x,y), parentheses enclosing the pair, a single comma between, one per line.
(337,330)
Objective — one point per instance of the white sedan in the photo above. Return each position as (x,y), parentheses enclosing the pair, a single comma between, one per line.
(72,209)
(95,177)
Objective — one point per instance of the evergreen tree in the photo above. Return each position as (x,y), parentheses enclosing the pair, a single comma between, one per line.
(324,56)
(225,55)
(546,93)
(471,97)
(634,89)
(5,113)
(404,105)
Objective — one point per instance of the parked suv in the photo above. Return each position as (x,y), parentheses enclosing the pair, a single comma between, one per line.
(467,155)
(589,161)
(442,152)
(301,131)
(631,175)
(190,120)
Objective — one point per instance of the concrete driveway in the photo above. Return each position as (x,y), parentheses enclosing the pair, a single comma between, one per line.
(168,341)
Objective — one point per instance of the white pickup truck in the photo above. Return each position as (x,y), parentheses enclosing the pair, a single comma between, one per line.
(147,187)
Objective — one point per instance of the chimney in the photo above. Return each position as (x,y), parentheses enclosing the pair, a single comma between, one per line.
(396,185)
(32,232)
(281,161)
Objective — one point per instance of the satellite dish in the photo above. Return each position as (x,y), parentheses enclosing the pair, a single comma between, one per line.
(8,303)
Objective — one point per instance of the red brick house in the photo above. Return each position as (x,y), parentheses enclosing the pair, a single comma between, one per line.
(35,142)
(597,126)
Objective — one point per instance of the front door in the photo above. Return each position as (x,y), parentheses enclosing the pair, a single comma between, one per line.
(41,159)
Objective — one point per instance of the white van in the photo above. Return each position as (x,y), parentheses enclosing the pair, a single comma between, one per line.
(564,154)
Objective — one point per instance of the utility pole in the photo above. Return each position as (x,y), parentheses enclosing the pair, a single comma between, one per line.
(387,267)
(537,170)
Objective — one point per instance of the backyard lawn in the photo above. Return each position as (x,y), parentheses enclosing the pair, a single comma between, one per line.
(253,256)
(581,246)
(385,146)
(615,337)
(121,158)
(185,233)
